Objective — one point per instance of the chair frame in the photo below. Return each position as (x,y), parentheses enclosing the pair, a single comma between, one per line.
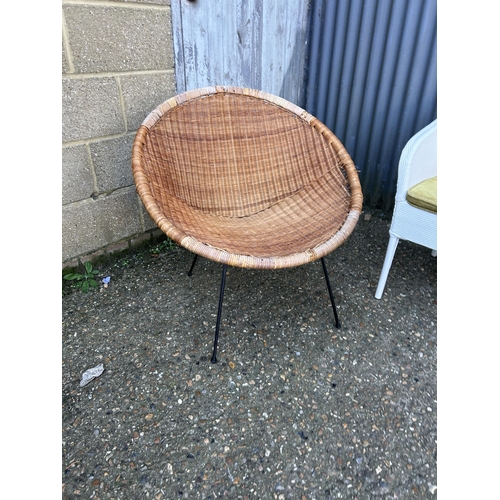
(221,298)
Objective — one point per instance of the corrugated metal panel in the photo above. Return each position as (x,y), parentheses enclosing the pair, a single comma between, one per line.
(372,81)
(249,43)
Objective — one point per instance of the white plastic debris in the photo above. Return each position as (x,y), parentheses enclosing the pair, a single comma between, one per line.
(91,374)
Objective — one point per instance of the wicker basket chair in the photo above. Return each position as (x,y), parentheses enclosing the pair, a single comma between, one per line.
(246,179)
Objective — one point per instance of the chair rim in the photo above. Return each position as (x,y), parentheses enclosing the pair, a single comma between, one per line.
(221,255)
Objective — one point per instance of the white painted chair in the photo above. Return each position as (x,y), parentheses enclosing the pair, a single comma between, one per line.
(418,163)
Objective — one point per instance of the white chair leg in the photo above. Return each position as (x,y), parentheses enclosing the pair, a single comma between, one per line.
(389,255)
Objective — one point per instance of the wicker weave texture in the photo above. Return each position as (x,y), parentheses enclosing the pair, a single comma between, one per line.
(245,178)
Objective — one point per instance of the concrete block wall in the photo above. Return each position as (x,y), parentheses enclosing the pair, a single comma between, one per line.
(117,65)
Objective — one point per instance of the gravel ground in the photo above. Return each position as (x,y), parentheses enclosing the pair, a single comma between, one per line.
(294,408)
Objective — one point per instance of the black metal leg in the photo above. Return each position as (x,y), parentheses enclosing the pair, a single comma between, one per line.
(337,322)
(219,312)
(190,272)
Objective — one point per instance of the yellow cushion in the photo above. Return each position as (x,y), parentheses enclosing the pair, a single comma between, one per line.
(424,195)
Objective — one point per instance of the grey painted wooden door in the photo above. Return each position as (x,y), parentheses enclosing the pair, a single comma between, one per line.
(259,44)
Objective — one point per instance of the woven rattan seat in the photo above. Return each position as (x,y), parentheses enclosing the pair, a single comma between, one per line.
(245,178)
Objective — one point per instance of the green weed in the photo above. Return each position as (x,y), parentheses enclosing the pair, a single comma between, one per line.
(84,281)
(167,244)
